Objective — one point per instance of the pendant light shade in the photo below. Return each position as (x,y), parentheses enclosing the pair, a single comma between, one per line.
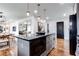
(28,13)
(1,13)
(38,17)
(35,11)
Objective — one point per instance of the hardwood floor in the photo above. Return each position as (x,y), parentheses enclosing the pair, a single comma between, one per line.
(59,50)
(6,52)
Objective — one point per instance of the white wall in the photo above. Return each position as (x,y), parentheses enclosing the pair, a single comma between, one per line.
(11,28)
(34,25)
(53,29)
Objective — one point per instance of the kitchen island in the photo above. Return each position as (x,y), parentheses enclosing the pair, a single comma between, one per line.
(35,45)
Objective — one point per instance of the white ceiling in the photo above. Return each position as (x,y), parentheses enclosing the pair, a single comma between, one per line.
(17,11)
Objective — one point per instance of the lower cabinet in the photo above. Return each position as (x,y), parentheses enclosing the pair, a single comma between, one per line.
(23,47)
(36,47)
(50,43)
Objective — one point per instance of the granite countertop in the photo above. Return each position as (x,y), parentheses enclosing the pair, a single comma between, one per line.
(31,37)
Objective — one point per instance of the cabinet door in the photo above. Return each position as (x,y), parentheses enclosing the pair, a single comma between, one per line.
(48,45)
(53,42)
(23,47)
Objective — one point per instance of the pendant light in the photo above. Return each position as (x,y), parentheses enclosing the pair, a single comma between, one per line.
(2,17)
(35,11)
(38,17)
(1,14)
(45,16)
(28,12)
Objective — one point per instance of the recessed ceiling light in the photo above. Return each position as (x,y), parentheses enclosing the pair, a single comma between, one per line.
(35,11)
(64,14)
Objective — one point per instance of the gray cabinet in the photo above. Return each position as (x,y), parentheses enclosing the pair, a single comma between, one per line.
(28,48)
(23,47)
(50,43)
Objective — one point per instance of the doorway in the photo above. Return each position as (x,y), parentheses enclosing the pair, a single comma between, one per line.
(60,35)
(60,30)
